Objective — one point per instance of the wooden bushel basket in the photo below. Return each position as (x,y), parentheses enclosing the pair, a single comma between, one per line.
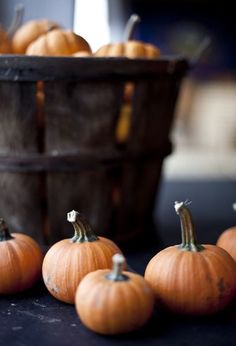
(65,154)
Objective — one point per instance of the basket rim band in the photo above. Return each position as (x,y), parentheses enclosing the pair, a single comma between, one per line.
(79,161)
(16,68)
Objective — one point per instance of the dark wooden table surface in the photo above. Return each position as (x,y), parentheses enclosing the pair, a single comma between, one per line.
(36,318)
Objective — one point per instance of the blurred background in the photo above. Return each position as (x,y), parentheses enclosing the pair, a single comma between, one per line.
(204,131)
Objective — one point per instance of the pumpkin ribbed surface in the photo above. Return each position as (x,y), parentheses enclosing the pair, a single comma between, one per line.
(58,43)
(66,263)
(20,263)
(29,32)
(130,49)
(193,282)
(109,307)
(227,241)
(192,278)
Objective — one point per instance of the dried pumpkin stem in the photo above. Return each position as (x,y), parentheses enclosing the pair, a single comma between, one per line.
(118,266)
(189,237)
(17,20)
(4,231)
(130,27)
(82,228)
(184,235)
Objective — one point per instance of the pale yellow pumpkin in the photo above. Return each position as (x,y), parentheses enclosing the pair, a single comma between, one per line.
(58,43)
(29,32)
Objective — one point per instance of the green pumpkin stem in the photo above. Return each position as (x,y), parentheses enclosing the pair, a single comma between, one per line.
(4,231)
(117,269)
(82,228)
(189,237)
(130,27)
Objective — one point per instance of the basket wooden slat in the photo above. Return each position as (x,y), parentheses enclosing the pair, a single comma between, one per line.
(20,200)
(63,153)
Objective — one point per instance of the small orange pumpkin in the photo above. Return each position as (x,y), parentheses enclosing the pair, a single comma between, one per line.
(20,261)
(5,43)
(69,260)
(129,48)
(114,302)
(29,32)
(191,278)
(227,240)
(58,42)
(132,49)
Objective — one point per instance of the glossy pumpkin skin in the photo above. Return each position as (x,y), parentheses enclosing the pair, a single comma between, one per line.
(58,43)
(130,49)
(109,307)
(20,263)
(68,261)
(5,44)
(29,32)
(190,278)
(227,241)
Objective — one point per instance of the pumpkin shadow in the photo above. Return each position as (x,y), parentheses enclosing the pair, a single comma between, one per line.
(36,291)
(155,327)
(162,322)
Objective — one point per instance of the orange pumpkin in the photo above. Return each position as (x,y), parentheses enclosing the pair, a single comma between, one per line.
(191,278)
(20,261)
(29,32)
(5,43)
(227,241)
(58,43)
(129,48)
(114,302)
(69,260)
(132,49)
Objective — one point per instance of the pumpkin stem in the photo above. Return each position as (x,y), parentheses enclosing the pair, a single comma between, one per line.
(17,19)
(118,266)
(4,231)
(130,27)
(83,230)
(189,237)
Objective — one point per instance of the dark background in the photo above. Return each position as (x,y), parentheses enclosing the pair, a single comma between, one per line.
(178,27)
